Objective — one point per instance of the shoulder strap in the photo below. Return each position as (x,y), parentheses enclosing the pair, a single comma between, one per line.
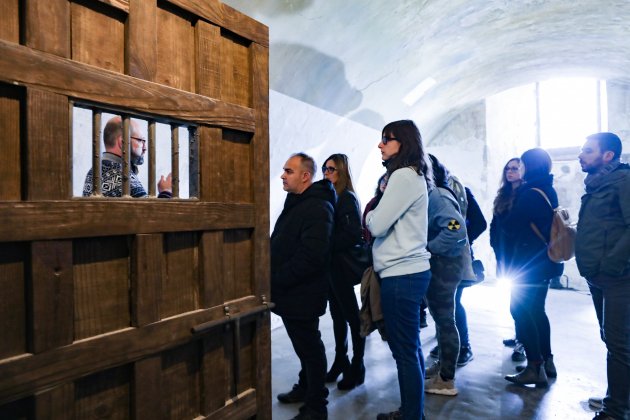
(532,224)
(544,196)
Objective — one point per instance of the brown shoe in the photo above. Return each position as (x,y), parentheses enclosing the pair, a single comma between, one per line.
(531,375)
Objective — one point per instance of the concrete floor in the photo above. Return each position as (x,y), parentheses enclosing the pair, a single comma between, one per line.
(579,355)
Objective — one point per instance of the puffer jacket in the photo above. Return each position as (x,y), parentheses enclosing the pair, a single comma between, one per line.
(301,246)
(602,244)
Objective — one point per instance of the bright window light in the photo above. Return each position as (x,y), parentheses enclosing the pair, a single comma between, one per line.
(570,110)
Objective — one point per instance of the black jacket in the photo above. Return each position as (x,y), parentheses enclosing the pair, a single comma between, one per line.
(301,251)
(526,253)
(475,222)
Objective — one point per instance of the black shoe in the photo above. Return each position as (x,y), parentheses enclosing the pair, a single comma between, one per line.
(394,415)
(338,367)
(602,416)
(465,356)
(353,376)
(550,368)
(531,375)
(435,352)
(518,354)
(423,319)
(296,395)
(307,413)
(509,342)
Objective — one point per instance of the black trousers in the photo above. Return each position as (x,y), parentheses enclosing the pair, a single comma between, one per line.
(344,311)
(527,305)
(307,343)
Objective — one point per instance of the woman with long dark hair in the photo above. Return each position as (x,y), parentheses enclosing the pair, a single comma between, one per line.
(344,308)
(530,267)
(399,226)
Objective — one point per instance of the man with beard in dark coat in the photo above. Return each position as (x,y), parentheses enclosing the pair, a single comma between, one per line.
(300,267)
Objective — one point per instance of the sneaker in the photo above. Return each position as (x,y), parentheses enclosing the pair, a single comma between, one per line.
(432,370)
(394,415)
(296,395)
(435,352)
(437,385)
(518,354)
(596,403)
(465,356)
(509,342)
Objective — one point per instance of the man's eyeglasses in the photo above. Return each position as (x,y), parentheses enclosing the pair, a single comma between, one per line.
(511,169)
(139,140)
(328,169)
(385,139)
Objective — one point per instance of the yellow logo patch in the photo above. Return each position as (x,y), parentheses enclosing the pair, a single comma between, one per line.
(453,225)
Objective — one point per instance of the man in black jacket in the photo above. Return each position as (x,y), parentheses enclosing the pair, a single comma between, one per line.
(300,267)
(602,252)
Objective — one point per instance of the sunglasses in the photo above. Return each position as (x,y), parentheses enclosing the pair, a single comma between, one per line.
(328,169)
(385,139)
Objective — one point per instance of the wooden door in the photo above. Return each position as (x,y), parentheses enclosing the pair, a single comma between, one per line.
(121,307)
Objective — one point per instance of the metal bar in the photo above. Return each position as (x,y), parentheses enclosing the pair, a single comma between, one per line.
(206,326)
(236,340)
(126,155)
(152,175)
(175,159)
(193,171)
(96,153)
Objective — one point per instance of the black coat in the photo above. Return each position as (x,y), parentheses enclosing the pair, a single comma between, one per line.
(526,253)
(347,233)
(301,252)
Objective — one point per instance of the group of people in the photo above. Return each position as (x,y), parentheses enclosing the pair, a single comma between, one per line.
(419,230)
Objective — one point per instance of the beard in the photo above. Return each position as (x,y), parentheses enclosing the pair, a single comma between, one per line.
(137,160)
(593,167)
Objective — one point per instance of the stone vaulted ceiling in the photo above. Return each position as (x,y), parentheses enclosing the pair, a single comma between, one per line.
(359,58)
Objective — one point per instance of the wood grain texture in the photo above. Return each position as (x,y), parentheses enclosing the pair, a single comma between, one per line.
(210,183)
(180,285)
(147,388)
(50,299)
(56,403)
(235,69)
(10,20)
(105,47)
(48,146)
(211,266)
(11,99)
(67,219)
(47,26)
(123,5)
(180,382)
(146,282)
(14,258)
(238,169)
(175,49)
(208,59)
(141,51)
(213,375)
(32,68)
(21,376)
(237,268)
(227,17)
(101,286)
(105,394)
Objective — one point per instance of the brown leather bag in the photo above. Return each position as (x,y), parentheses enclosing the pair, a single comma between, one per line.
(561,245)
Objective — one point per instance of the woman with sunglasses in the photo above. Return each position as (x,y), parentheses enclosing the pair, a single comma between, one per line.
(344,308)
(399,226)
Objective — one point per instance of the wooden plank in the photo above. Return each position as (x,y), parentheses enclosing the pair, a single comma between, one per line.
(242,406)
(51,295)
(11,98)
(147,274)
(208,59)
(141,51)
(211,251)
(260,236)
(237,272)
(227,17)
(21,376)
(48,154)
(101,292)
(118,4)
(105,47)
(10,20)
(235,70)
(27,221)
(13,261)
(56,403)
(180,382)
(238,169)
(20,65)
(180,285)
(210,185)
(213,375)
(147,389)
(47,26)
(104,394)
(175,49)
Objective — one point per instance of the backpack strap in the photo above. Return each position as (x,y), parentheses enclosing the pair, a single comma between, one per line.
(533,225)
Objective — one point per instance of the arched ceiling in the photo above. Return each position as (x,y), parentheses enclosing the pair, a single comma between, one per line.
(359,59)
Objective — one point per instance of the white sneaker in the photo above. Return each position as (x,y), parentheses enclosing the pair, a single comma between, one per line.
(437,385)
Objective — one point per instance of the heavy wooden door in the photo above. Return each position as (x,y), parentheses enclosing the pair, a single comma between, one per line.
(134,308)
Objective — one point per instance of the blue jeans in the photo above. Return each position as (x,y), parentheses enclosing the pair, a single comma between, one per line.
(611,297)
(400,302)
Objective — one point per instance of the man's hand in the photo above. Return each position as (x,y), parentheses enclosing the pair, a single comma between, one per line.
(165,184)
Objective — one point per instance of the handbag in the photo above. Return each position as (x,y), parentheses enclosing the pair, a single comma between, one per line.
(355,261)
